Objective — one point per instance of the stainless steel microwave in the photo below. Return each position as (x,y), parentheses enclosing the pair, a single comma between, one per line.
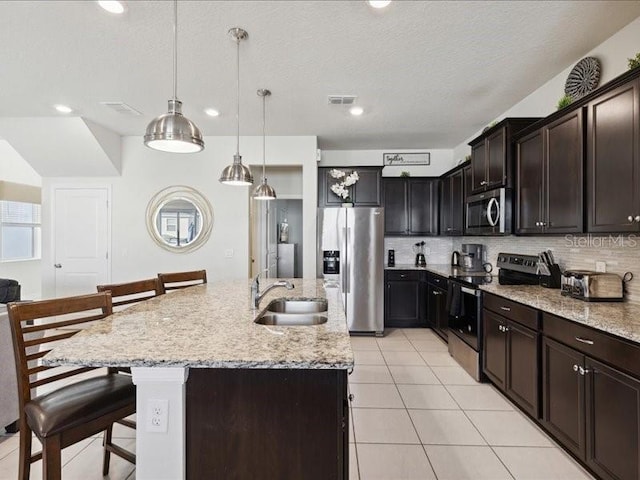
(489,213)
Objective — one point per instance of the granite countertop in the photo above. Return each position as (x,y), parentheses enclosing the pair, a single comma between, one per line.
(618,318)
(211,326)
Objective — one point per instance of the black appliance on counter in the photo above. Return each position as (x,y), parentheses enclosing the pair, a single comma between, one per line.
(464,305)
(391,258)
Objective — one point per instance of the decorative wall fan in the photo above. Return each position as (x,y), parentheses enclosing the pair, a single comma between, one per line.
(584,78)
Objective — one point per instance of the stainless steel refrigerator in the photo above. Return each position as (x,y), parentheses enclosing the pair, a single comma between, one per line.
(351,253)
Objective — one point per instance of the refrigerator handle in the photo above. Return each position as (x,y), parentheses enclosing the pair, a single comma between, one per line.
(348,262)
(344,260)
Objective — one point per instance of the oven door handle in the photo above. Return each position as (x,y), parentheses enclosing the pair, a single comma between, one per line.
(470,291)
(490,219)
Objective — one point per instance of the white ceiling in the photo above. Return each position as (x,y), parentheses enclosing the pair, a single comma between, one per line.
(428,74)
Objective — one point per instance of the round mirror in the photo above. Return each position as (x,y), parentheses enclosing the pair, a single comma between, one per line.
(179,219)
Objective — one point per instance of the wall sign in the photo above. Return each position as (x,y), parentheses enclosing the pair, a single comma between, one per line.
(406,158)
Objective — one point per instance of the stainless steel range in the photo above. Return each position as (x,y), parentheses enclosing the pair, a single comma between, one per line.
(464,304)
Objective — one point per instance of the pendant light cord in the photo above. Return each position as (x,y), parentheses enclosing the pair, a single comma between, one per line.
(238,91)
(264,137)
(175,49)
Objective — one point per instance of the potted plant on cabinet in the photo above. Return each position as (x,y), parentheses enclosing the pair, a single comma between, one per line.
(341,187)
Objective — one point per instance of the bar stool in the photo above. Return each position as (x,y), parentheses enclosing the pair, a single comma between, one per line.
(174,281)
(71,412)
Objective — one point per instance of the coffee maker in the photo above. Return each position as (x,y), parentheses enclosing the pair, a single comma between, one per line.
(472,257)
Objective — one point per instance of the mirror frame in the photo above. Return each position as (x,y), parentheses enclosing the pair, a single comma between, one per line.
(182,192)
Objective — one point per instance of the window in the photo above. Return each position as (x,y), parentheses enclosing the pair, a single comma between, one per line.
(20,233)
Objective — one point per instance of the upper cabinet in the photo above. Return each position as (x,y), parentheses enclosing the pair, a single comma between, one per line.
(549,166)
(366,192)
(452,204)
(492,155)
(613,160)
(411,206)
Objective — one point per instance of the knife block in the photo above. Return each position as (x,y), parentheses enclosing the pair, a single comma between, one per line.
(553,280)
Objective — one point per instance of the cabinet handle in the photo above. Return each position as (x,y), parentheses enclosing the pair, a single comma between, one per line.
(584,340)
(537,224)
(506,309)
(637,218)
(584,371)
(437,293)
(402,275)
(575,367)
(351,397)
(506,329)
(630,218)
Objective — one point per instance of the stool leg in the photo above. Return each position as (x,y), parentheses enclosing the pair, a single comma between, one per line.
(25,451)
(107,454)
(51,458)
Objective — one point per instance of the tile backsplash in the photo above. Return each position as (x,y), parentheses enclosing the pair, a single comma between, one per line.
(621,253)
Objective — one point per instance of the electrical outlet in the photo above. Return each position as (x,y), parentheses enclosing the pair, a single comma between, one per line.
(601,266)
(228,253)
(157,415)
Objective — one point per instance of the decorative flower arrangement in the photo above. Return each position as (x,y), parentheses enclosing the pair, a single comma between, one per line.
(340,188)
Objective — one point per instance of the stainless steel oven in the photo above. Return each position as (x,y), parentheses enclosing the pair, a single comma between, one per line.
(464,303)
(489,213)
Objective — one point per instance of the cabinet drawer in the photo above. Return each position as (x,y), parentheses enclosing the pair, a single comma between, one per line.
(400,275)
(527,316)
(598,345)
(438,281)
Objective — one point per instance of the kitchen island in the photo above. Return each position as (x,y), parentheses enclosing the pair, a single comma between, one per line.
(244,400)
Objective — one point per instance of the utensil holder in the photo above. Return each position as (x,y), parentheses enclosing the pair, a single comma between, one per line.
(553,280)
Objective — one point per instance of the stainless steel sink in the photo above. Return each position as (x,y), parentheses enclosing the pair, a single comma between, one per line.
(284,305)
(291,319)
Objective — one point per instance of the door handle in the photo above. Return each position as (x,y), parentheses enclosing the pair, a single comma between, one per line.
(57,265)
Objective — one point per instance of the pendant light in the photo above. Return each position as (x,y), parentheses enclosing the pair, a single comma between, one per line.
(237,173)
(264,191)
(173,132)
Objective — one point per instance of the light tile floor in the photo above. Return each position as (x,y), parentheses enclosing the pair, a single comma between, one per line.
(415,415)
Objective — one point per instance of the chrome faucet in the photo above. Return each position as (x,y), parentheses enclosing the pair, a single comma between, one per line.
(256,296)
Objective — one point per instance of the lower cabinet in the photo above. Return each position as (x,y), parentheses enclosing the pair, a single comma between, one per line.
(510,359)
(405,299)
(437,314)
(593,410)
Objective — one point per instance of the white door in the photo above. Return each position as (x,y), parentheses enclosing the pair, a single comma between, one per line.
(81,240)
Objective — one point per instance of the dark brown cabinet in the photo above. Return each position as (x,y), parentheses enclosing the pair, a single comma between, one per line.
(411,206)
(592,405)
(510,355)
(563,395)
(405,299)
(437,315)
(613,160)
(549,166)
(452,204)
(237,421)
(492,155)
(495,348)
(366,192)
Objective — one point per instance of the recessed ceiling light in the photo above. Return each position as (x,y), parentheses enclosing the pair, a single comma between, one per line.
(212,112)
(379,3)
(112,6)
(356,111)
(63,108)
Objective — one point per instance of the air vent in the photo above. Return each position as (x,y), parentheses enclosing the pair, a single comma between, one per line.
(121,108)
(342,99)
